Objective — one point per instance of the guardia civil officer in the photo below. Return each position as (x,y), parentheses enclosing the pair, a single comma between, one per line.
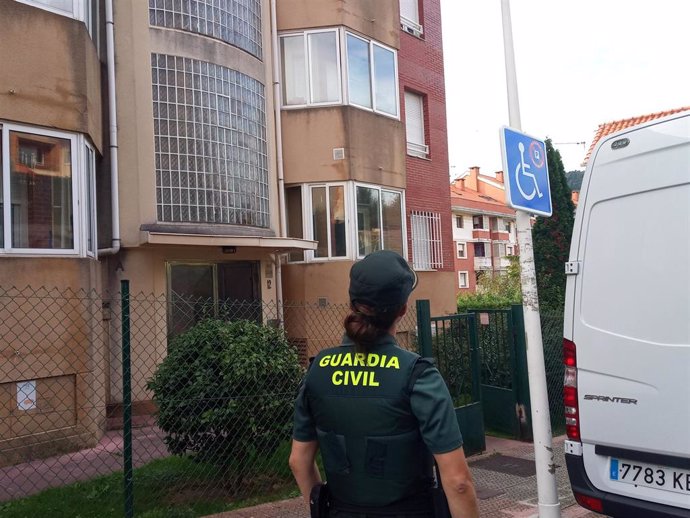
(375,411)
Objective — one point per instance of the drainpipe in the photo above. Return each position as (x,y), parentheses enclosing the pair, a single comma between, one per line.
(112,116)
(279,152)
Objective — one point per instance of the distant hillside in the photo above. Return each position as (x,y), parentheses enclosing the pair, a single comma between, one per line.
(574,179)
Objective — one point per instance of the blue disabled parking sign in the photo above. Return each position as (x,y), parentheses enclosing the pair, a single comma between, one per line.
(526,172)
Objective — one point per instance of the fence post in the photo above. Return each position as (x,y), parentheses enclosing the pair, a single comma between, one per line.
(127,402)
(424,328)
(475,359)
(521,373)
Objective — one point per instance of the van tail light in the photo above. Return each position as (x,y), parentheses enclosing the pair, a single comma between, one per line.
(589,502)
(572,414)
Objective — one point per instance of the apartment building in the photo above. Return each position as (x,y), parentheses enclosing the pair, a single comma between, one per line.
(484,229)
(422,83)
(244,150)
(364,144)
(53,138)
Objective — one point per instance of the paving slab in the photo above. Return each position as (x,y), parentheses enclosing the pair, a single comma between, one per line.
(502,493)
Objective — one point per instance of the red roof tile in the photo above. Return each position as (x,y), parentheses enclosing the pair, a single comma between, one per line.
(471,199)
(611,127)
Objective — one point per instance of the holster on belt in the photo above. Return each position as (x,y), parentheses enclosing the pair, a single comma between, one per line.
(319,501)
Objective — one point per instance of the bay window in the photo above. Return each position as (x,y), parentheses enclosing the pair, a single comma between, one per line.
(45,175)
(311,68)
(312,74)
(359,72)
(385,82)
(379,220)
(347,220)
(328,216)
(372,75)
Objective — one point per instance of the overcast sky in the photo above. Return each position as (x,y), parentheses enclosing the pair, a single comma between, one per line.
(579,63)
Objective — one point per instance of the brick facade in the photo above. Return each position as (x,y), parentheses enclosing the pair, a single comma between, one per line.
(420,63)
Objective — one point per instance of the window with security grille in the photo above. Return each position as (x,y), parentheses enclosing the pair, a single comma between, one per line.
(210,143)
(237,22)
(427,245)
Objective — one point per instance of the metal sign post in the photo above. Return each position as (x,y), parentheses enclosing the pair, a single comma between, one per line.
(524,164)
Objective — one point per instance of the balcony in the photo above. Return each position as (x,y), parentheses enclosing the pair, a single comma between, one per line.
(483,263)
(501,263)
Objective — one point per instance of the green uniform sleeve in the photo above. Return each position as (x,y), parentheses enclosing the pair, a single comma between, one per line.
(433,407)
(303,429)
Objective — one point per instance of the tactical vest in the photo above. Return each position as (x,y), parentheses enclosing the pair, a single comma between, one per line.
(370,443)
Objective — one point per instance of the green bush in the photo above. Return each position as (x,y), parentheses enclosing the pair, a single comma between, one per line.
(225,393)
(494,291)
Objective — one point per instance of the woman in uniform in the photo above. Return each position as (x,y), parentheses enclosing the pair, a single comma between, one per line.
(377,411)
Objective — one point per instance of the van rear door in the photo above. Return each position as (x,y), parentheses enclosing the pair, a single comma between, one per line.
(631,314)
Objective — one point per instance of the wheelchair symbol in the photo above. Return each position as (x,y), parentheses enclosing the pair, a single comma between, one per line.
(523,169)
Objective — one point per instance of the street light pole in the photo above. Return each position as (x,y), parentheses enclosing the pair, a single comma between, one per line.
(547,486)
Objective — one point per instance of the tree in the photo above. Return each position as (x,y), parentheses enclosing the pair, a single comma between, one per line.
(552,235)
(494,291)
(574,179)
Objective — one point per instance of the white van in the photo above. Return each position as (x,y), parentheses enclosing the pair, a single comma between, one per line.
(627,326)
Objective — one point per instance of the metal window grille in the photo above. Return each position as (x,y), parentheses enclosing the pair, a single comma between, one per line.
(427,244)
(210,141)
(237,22)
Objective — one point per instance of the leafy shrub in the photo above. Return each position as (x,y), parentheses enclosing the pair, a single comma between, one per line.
(494,291)
(225,392)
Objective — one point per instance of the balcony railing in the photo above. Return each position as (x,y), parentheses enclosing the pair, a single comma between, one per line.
(482,263)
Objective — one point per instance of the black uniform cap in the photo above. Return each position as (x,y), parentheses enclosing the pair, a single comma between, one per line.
(382,280)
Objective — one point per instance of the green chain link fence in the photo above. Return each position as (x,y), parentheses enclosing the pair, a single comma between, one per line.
(203,413)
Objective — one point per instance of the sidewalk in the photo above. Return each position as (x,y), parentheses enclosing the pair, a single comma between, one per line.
(505,480)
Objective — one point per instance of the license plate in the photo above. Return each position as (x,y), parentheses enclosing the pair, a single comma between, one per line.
(650,475)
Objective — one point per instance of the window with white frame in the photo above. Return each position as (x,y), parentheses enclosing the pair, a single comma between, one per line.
(372,75)
(379,220)
(459,222)
(83,10)
(328,220)
(478,223)
(461,249)
(495,223)
(499,249)
(409,17)
(427,245)
(311,68)
(480,250)
(347,220)
(506,225)
(463,280)
(510,250)
(312,74)
(47,193)
(414,125)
